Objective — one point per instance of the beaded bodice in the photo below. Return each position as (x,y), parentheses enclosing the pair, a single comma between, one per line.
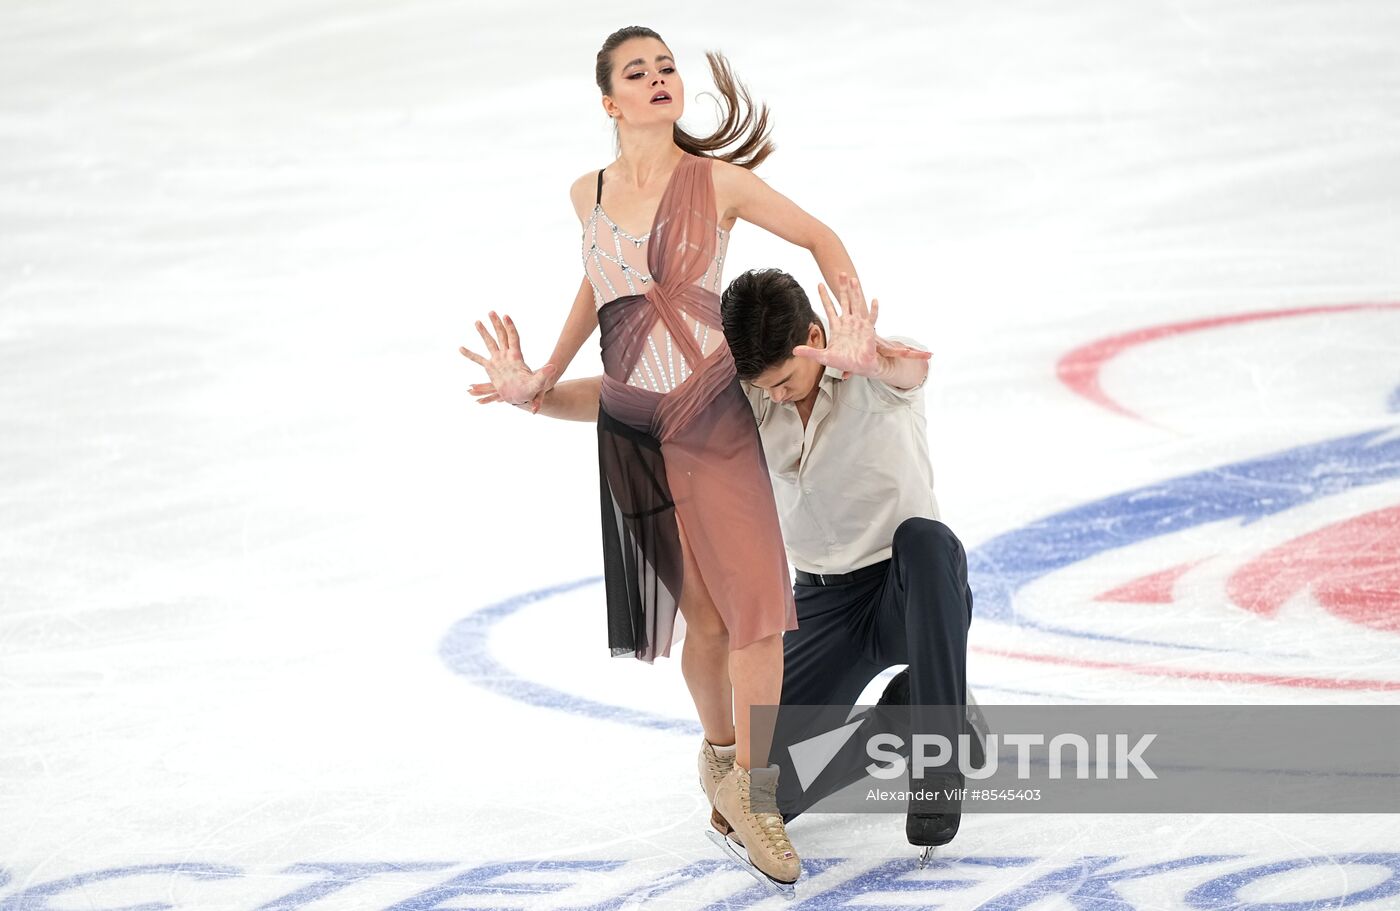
(616,265)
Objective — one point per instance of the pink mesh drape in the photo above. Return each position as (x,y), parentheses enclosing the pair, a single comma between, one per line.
(690,455)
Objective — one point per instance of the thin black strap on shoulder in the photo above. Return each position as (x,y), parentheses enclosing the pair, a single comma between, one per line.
(599,200)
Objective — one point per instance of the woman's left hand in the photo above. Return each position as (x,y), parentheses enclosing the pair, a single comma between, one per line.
(851,344)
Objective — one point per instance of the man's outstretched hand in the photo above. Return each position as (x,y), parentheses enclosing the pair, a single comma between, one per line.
(851,343)
(511,380)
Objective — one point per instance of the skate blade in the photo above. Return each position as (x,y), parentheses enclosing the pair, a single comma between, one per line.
(925,855)
(737,854)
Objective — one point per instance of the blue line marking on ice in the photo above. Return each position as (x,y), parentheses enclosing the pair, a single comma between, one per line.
(1247,491)
(466,649)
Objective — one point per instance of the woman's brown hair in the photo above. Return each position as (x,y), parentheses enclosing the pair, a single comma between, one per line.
(748,128)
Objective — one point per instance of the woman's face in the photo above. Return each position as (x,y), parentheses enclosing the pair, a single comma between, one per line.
(646,88)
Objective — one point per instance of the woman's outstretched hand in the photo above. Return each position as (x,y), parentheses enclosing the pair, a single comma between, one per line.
(511,380)
(851,344)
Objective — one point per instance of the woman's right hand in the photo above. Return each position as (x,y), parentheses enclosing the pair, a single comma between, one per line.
(511,379)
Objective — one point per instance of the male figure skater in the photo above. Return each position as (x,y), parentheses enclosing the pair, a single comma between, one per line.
(880,580)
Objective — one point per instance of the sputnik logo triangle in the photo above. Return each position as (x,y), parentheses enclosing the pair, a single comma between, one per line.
(811,756)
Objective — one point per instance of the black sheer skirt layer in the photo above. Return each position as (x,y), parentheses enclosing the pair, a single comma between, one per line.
(642,558)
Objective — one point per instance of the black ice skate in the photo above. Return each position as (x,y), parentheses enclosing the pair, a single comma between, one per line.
(926,828)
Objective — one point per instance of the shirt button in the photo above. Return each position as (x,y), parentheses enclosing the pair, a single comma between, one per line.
(807,490)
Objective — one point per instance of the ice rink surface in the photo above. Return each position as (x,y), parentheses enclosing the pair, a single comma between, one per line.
(287,621)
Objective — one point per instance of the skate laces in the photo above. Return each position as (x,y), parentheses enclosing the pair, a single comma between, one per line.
(719,766)
(764,793)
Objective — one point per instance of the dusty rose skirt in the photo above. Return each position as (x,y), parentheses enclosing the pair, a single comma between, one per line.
(691,455)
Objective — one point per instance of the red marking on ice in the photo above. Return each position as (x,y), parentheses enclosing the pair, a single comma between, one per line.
(1153,589)
(1080,368)
(1152,670)
(1352,568)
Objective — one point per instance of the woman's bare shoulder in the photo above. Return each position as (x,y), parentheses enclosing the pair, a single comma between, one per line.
(730,172)
(733,184)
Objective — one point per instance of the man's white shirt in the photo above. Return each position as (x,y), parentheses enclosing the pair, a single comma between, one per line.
(859,468)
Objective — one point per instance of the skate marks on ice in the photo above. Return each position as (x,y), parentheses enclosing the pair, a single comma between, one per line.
(473,647)
(1278,571)
(1082,369)
(1228,497)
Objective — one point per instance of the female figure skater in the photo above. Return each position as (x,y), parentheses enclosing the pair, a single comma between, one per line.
(689,519)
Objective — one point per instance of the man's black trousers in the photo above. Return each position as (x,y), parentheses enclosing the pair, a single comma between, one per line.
(916,613)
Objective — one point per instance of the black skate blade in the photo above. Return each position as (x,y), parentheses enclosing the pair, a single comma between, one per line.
(736,853)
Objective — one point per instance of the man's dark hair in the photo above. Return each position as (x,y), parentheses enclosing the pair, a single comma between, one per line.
(766,314)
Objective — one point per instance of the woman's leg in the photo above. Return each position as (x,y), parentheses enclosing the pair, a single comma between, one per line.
(705,654)
(724,684)
(756,671)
